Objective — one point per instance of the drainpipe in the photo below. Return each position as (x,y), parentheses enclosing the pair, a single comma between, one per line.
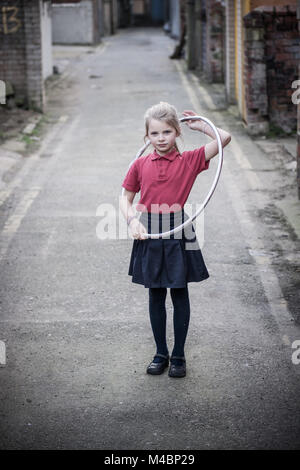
(191,25)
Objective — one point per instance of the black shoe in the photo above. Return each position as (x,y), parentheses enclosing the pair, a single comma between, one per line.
(175,370)
(156,368)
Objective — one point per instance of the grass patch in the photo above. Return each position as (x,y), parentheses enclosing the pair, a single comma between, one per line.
(27,139)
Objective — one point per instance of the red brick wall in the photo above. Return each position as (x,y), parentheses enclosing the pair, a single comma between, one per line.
(255,76)
(282,58)
(272,53)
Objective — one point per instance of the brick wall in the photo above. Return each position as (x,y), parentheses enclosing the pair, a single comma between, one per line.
(20,50)
(282,58)
(33,44)
(215,40)
(12,47)
(271,59)
(255,73)
(230,52)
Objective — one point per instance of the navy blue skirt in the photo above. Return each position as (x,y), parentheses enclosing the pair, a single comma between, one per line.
(167,262)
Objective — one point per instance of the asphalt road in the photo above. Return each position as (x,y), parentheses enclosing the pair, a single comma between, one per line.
(76,329)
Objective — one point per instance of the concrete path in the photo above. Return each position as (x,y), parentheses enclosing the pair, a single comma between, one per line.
(76,329)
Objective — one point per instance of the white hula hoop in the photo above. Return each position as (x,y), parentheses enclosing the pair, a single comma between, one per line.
(210,192)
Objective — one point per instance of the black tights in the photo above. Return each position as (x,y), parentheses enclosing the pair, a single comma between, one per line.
(158,318)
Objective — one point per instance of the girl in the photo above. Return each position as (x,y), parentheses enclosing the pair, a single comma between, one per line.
(165,178)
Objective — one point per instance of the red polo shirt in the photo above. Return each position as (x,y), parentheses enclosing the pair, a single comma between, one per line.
(166,179)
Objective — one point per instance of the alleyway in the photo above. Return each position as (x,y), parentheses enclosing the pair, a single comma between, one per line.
(76,329)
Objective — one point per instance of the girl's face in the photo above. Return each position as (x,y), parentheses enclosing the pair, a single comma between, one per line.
(162,136)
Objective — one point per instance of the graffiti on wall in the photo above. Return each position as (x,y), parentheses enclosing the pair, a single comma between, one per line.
(9,22)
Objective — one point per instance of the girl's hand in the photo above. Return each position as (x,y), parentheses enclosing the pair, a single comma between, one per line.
(197,125)
(137,229)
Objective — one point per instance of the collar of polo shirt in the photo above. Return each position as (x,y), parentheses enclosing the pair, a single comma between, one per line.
(169,156)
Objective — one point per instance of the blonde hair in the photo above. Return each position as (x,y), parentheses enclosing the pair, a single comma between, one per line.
(163,112)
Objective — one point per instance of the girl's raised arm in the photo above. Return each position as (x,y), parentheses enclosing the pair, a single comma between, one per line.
(211,149)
